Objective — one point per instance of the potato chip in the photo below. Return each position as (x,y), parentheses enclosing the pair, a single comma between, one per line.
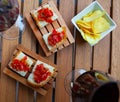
(82,24)
(92,25)
(92,39)
(83,34)
(100,25)
(96,14)
(89,31)
(90,13)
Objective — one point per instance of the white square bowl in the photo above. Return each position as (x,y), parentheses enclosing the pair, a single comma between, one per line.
(92,7)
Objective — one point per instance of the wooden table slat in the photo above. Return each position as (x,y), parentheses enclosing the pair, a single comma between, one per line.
(65,55)
(6,54)
(28,40)
(101,55)
(104,56)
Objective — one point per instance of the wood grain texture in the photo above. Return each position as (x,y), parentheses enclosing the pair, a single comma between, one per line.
(35,57)
(105,54)
(64,57)
(83,55)
(83,49)
(48,97)
(29,41)
(49,28)
(15,76)
(5,80)
(115,65)
(101,57)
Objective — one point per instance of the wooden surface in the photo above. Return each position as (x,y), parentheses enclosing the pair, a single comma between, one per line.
(104,56)
(47,29)
(41,90)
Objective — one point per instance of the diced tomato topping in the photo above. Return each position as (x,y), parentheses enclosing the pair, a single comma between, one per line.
(45,14)
(55,37)
(41,73)
(20,65)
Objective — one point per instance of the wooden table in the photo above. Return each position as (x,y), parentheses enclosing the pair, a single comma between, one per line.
(104,56)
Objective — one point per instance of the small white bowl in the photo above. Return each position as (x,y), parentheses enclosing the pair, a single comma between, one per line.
(92,7)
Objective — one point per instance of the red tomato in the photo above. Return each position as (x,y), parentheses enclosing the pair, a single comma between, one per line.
(55,37)
(20,65)
(41,73)
(45,14)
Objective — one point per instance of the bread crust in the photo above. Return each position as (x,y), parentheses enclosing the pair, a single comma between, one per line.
(34,15)
(30,79)
(53,48)
(35,18)
(41,84)
(22,73)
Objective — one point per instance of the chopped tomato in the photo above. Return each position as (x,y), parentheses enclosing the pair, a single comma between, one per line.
(41,73)
(45,14)
(20,65)
(62,34)
(55,37)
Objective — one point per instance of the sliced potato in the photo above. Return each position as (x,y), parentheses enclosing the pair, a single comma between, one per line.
(82,24)
(92,25)
(100,25)
(96,14)
(92,39)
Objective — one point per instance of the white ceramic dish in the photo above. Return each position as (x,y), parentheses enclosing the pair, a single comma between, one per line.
(92,7)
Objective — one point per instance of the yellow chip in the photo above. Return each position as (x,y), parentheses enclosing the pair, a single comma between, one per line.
(96,14)
(92,25)
(100,25)
(89,31)
(83,34)
(89,14)
(83,24)
(92,39)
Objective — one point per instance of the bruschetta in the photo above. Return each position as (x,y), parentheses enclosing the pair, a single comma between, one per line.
(21,63)
(41,74)
(43,15)
(55,38)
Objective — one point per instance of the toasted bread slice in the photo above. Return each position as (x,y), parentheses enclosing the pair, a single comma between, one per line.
(53,48)
(18,57)
(31,78)
(42,23)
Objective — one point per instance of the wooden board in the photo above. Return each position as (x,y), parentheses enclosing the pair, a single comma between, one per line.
(56,24)
(43,90)
(8,47)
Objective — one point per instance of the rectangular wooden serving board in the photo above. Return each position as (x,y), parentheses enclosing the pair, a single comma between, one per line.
(41,90)
(54,25)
